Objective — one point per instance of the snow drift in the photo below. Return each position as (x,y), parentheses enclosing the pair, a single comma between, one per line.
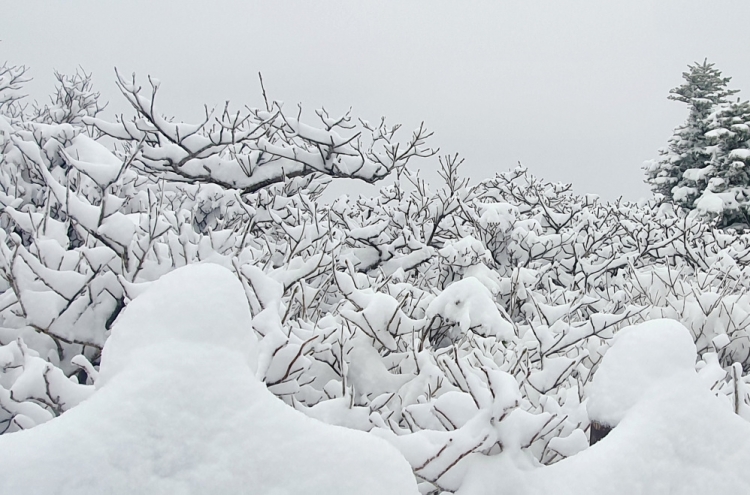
(673,435)
(179,410)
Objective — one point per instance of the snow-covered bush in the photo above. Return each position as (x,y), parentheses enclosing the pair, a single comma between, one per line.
(672,434)
(456,324)
(178,410)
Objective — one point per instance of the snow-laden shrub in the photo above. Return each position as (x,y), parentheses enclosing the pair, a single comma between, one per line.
(456,323)
(179,410)
(672,435)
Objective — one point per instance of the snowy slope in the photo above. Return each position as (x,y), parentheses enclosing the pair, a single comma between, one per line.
(179,411)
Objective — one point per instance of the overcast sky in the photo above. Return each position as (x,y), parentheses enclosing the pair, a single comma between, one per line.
(575,90)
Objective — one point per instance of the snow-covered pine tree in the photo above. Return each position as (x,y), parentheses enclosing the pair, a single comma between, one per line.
(689,148)
(726,191)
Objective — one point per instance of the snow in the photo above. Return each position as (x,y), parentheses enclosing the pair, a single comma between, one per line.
(673,436)
(720,341)
(29,382)
(368,374)
(698,174)
(369,231)
(380,316)
(458,408)
(93,159)
(678,439)
(710,202)
(641,357)
(118,227)
(178,410)
(680,193)
(740,154)
(469,304)
(340,412)
(501,214)
(571,445)
(718,133)
(552,368)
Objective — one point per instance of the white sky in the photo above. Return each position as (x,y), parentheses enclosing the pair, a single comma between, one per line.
(575,90)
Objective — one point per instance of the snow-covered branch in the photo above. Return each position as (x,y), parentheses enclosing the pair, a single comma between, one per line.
(253,148)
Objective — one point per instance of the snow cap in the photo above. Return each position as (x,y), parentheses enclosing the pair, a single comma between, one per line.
(469,303)
(201,303)
(641,357)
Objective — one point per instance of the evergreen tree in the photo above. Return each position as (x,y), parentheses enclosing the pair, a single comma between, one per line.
(689,148)
(725,191)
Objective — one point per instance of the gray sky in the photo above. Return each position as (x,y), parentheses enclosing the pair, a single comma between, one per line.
(575,90)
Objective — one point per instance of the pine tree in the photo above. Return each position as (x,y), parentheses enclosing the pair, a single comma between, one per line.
(689,148)
(726,189)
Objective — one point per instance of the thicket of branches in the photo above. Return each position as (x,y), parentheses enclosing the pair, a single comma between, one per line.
(459,321)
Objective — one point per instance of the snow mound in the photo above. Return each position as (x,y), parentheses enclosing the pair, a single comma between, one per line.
(93,159)
(201,304)
(470,304)
(641,357)
(180,411)
(676,436)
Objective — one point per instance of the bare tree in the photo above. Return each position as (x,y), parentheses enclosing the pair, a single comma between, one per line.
(252,148)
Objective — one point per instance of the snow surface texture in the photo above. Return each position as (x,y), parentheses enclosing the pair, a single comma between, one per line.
(179,411)
(641,358)
(675,435)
